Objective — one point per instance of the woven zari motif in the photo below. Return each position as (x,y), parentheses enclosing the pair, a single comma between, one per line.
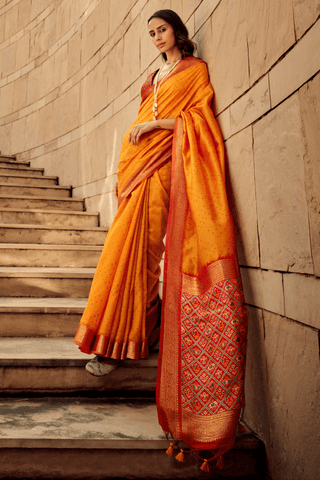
(213,331)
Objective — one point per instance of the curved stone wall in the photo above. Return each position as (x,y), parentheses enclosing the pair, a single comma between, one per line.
(71,72)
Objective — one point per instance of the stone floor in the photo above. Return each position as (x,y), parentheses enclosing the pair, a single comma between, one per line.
(88,423)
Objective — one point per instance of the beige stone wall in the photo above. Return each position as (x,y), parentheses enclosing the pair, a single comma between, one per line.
(71,72)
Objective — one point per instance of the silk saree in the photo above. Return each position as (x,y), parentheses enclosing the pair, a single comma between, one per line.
(200,378)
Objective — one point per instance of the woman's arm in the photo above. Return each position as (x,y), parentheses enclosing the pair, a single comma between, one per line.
(140,129)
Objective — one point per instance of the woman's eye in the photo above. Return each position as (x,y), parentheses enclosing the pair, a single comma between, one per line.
(151,34)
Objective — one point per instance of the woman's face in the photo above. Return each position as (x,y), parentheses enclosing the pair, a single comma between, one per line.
(162,34)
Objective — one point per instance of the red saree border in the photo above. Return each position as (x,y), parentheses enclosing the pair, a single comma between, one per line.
(168,399)
(215,435)
(102,345)
(217,271)
(156,162)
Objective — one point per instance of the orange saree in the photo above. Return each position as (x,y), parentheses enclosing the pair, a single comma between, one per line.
(203,325)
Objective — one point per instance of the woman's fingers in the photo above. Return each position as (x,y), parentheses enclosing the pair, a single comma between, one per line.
(136,133)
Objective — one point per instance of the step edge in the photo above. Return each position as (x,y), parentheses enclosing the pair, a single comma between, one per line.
(22,185)
(43,310)
(49,275)
(60,212)
(64,361)
(11,166)
(41,177)
(108,444)
(34,197)
(96,444)
(48,246)
(53,227)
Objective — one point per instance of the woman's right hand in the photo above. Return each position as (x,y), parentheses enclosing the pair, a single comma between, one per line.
(140,129)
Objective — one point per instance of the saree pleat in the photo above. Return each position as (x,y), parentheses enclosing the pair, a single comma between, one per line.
(157,226)
(123,305)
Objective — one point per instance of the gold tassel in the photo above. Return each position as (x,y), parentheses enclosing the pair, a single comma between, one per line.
(180,456)
(205,466)
(220,463)
(170,450)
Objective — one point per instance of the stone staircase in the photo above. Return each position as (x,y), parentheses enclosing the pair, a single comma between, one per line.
(56,420)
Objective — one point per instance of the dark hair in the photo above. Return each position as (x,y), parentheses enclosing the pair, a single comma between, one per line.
(185,45)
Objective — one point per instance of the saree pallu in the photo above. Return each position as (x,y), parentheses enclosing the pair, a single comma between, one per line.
(200,381)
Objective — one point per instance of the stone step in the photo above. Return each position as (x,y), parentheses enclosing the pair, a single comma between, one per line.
(24,255)
(64,438)
(40,317)
(43,203)
(23,170)
(48,217)
(12,159)
(37,180)
(53,365)
(33,234)
(10,169)
(34,190)
(45,282)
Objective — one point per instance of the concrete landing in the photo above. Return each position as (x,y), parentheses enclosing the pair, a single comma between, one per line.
(54,422)
(101,439)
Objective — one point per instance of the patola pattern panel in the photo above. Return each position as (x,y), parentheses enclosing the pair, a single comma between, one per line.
(213,331)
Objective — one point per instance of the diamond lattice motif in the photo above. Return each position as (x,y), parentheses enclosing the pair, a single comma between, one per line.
(213,330)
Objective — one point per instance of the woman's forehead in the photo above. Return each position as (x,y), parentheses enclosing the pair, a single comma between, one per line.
(156,23)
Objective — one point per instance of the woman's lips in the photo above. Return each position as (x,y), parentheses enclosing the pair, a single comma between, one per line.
(161,45)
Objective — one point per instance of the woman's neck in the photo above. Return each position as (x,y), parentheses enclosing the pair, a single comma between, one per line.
(173,55)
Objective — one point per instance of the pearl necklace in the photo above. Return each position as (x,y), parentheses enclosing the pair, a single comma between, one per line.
(158,85)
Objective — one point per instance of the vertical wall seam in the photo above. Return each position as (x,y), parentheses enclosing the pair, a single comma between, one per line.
(284,297)
(255,191)
(305,147)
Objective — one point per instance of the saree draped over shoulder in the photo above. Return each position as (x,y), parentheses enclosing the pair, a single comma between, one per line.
(204,323)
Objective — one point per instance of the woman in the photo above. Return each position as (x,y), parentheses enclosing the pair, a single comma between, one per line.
(171,180)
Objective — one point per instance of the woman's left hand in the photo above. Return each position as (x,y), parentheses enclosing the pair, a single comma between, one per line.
(140,129)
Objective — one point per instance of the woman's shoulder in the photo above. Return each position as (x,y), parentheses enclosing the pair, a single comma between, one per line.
(193,60)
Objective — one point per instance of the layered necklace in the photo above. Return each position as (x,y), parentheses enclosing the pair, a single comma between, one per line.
(157,86)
